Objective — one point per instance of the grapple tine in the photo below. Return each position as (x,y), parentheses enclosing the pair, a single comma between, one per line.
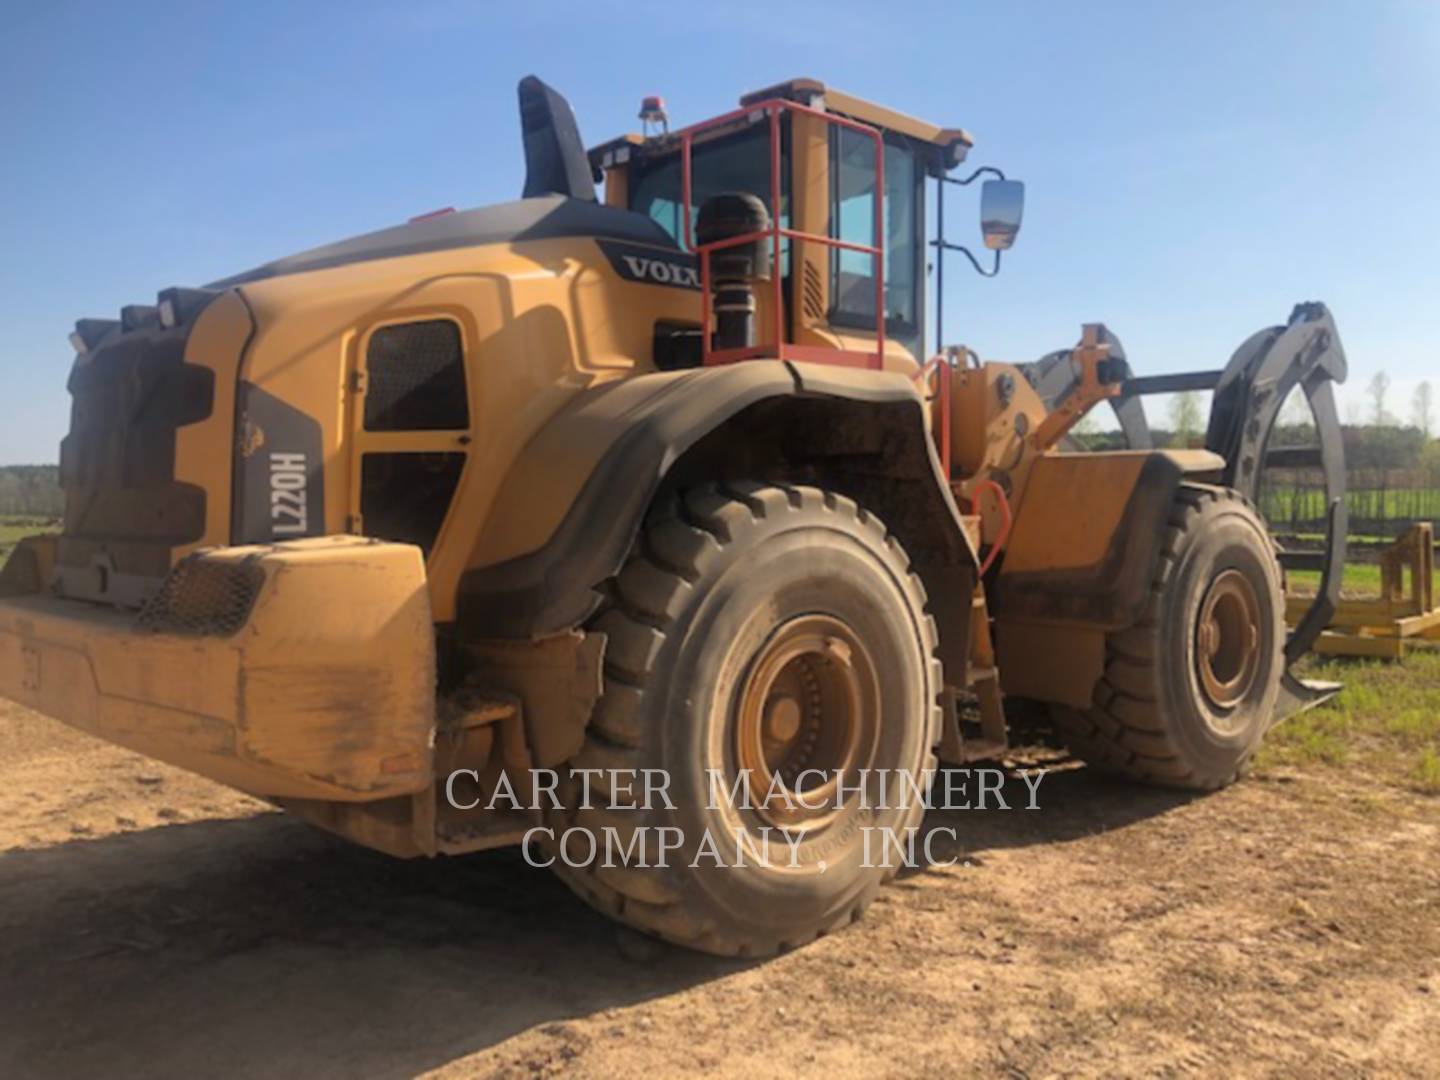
(1306,352)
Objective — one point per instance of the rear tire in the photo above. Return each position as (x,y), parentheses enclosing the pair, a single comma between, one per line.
(1189,692)
(769,628)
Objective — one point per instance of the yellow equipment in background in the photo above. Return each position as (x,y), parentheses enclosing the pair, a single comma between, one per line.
(1405,616)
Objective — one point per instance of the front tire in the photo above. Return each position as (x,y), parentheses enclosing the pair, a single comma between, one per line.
(773,630)
(1189,692)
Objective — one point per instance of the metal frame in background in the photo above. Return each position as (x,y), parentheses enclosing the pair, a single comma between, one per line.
(1404,617)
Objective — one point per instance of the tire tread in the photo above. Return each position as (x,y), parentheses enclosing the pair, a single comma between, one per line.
(680,537)
(1126,732)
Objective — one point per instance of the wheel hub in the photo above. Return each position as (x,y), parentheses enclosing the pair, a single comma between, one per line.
(806,716)
(1227,637)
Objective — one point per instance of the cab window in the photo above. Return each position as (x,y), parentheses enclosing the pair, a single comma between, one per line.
(739,162)
(852,219)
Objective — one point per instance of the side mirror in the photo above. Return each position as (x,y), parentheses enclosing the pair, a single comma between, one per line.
(1002,205)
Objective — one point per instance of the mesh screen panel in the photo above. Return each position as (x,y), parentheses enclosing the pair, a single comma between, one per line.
(415,375)
(203,598)
(404,497)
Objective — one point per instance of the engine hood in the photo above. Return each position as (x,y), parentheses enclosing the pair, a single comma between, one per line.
(545,217)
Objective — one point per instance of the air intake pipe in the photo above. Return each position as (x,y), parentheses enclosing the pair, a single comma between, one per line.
(727,216)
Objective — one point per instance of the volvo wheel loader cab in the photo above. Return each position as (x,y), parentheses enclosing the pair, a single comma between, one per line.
(659,485)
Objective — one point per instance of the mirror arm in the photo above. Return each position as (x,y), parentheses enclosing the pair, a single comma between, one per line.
(944,246)
(984,170)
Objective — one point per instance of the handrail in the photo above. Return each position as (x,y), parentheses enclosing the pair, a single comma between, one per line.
(1007,521)
(940,363)
(773,108)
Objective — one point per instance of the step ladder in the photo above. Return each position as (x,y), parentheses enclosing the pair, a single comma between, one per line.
(965,740)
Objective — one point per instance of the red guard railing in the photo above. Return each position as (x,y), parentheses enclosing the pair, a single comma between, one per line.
(782,349)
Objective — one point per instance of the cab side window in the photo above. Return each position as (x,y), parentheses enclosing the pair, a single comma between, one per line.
(852,219)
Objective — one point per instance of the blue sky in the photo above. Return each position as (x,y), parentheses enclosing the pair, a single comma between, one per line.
(1192,169)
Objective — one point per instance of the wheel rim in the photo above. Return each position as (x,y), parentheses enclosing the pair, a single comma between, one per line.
(805,720)
(1227,638)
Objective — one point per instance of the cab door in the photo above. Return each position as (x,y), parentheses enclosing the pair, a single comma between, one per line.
(835,177)
(410,416)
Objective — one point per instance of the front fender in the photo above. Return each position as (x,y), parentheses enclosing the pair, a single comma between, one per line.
(1086,541)
(1080,562)
(569,511)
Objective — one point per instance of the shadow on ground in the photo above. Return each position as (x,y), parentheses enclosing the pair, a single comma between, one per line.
(1069,802)
(258,945)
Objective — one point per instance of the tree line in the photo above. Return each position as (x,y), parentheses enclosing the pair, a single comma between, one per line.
(1392,465)
(31,491)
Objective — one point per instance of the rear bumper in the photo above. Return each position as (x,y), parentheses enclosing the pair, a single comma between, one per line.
(301,670)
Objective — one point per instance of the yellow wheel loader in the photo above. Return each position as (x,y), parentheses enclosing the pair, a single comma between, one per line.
(567,517)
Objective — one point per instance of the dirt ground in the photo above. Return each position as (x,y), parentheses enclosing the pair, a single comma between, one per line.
(152,922)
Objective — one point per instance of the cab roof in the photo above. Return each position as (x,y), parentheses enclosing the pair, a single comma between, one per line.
(951,144)
(955,142)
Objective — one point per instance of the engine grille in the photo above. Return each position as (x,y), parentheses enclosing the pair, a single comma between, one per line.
(203,598)
(416,378)
(117,464)
(404,497)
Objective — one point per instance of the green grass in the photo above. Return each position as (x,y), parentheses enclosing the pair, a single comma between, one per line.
(1386,722)
(1427,770)
(14,529)
(1281,505)
(1361,580)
